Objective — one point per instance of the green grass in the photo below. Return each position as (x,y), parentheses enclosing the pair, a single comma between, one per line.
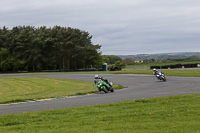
(142,68)
(182,73)
(168,72)
(146,66)
(176,114)
(21,89)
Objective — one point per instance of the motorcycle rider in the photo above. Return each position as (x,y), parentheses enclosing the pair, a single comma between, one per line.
(157,73)
(96,77)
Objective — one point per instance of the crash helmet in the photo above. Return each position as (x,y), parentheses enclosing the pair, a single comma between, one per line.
(154,70)
(96,76)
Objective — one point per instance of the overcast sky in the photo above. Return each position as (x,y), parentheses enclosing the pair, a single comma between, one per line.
(121,27)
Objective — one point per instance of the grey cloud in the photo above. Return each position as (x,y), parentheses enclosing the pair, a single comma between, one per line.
(121,27)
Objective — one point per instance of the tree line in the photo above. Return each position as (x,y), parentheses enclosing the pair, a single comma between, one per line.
(26,48)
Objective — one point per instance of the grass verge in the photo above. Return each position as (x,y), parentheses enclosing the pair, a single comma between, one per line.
(21,89)
(147,65)
(168,72)
(166,114)
(182,73)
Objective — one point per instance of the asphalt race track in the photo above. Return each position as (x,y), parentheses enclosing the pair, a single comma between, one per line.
(138,87)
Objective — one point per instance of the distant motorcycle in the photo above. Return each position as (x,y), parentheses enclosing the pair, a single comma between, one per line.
(103,86)
(161,76)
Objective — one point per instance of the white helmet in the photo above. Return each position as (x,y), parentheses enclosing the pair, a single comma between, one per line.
(96,76)
(154,69)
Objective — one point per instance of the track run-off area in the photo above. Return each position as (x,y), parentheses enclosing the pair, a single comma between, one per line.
(136,87)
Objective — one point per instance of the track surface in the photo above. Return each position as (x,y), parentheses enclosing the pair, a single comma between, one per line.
(138,87)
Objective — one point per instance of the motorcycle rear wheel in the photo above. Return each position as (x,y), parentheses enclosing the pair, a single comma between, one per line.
(105,90)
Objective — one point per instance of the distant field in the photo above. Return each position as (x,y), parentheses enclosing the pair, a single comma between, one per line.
(144,66)
(168,72)
(182,73)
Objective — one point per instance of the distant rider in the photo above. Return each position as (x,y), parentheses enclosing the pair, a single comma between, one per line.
(157,73)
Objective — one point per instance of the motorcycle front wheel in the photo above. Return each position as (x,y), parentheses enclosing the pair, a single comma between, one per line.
(163,78)
(112,90)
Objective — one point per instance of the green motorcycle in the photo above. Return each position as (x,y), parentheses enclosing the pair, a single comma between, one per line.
(104,86)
